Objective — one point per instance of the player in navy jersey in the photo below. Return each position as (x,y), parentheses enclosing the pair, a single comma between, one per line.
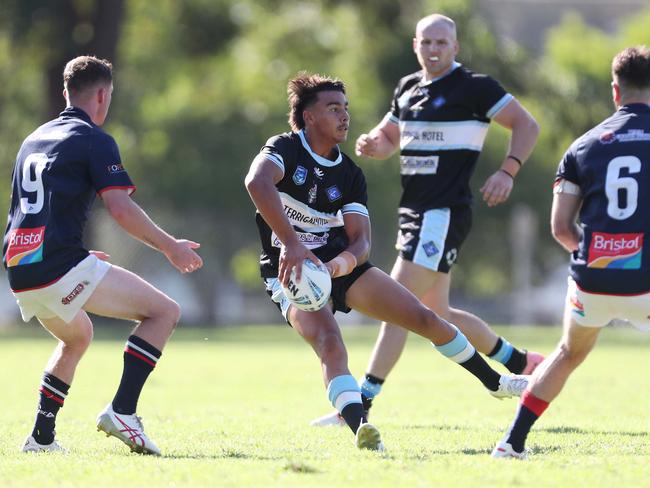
(311,202)
(59,169)
(600,215)
(438,119)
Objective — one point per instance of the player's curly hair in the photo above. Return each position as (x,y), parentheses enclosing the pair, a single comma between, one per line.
(303,91)
(86,71)
(631,68)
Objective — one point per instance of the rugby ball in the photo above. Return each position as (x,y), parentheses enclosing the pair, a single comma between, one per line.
(313,290)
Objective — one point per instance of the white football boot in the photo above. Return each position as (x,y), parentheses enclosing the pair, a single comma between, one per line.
(511,385)
(333,419)
(32,446)
(368,437)
(128,429)
(503,450)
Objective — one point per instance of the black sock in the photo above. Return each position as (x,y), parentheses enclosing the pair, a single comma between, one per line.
(53,394)
(521,427)
(516,363)
(140,358)
(479,368)
(354,415)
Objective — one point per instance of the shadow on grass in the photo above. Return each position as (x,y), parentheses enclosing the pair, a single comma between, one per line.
(579,431)
(224,454)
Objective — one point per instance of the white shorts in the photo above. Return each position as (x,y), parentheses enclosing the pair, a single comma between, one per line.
(598,310)
(65,297)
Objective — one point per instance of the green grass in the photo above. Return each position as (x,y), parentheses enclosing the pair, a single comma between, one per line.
(231,408)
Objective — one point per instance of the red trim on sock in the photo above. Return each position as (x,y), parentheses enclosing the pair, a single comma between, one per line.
(140,356)
(534,404)
(48,394)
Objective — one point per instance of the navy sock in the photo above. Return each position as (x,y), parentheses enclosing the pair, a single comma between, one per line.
(53,392)
(140,358)
(354,415)
(530,409)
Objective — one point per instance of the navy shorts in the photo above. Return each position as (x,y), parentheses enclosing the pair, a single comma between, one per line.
(340,287)
(432,238)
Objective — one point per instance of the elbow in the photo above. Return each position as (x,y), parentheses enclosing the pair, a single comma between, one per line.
(532,126)
(252,183)
(118,211)
(561,232)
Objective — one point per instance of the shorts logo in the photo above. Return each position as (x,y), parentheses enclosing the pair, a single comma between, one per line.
(115,168)
(451,256)
(300,175)
(311,197)
(430,249)
(576,306)
(333,193)
(615,251)
(25,246)
(76,291)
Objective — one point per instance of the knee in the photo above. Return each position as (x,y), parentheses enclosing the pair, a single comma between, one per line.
(78,345)
(329,345)
(168,311)
(571,354)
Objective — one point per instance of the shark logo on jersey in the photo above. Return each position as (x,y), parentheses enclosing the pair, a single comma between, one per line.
(300,175)
(319,173)
(311,198)
(333,193)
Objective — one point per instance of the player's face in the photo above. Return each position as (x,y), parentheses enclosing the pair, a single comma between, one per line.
(435,46)
(329,116)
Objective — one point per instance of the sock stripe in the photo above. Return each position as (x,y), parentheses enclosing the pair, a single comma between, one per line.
(341,384)
(47,388)
(52,396)
(131,345)
(140,356)
(458,349)
(346,398)
(369,389)
(504,353)
(533,403)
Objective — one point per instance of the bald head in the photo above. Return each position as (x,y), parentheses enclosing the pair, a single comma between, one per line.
(435,19)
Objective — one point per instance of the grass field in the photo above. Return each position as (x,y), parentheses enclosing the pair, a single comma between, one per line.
(231,407)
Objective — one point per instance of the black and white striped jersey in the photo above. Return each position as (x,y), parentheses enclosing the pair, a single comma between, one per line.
(316,192)
(443,124)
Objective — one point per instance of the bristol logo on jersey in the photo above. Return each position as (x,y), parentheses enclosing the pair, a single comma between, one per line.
(300,175)
(25,246)
(333,193)
(615,251)
(115,168)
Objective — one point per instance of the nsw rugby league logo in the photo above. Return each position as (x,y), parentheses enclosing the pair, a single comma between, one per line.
(300,175)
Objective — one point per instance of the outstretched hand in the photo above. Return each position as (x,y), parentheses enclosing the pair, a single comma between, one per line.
(100,255)
(182,256)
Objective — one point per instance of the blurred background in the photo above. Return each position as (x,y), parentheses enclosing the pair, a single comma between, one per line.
(201,84)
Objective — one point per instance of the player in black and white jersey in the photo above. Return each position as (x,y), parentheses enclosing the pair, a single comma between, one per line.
(600,215)
(438,119)
(311,202)
(59,169)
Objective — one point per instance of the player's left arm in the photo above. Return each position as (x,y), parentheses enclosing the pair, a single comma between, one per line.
(524,132)
(564,215)
(357,228)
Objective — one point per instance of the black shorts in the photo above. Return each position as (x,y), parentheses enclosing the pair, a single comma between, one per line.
(432,238)
(340,287)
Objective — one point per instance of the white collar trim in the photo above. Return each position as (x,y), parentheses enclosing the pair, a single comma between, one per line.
(319,159)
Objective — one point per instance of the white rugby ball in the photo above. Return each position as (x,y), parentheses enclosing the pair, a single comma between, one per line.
(313,290)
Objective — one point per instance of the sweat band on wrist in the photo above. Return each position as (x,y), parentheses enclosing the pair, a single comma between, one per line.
(510,175)
(515,158)
(343,264)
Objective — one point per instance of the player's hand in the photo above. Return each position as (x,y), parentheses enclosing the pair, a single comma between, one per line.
(182,256)
(366,146)
(497,188)
(292,256)
(100,255)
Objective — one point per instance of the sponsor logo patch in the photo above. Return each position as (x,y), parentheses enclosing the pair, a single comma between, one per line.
(319,172)
(607,137)
(576,306)
(76,291)
(333,193)
(25,246)
(311,196)
(615,251)
(451,256)
(115,168)
(430,249)
(300,175)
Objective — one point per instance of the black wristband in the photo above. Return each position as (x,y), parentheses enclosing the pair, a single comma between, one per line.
(511,176)
(519,162)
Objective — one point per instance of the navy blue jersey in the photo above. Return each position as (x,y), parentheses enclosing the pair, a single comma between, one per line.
(611,165)
(443,124)
(59,169)
(316,192)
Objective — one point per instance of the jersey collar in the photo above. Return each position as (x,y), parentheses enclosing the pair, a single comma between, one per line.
(635,107)
(78,113)
(319,159)
(424,82)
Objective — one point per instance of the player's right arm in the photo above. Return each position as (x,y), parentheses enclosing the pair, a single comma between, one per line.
(381,142)
(135,221)
(260,182)
(564,214)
